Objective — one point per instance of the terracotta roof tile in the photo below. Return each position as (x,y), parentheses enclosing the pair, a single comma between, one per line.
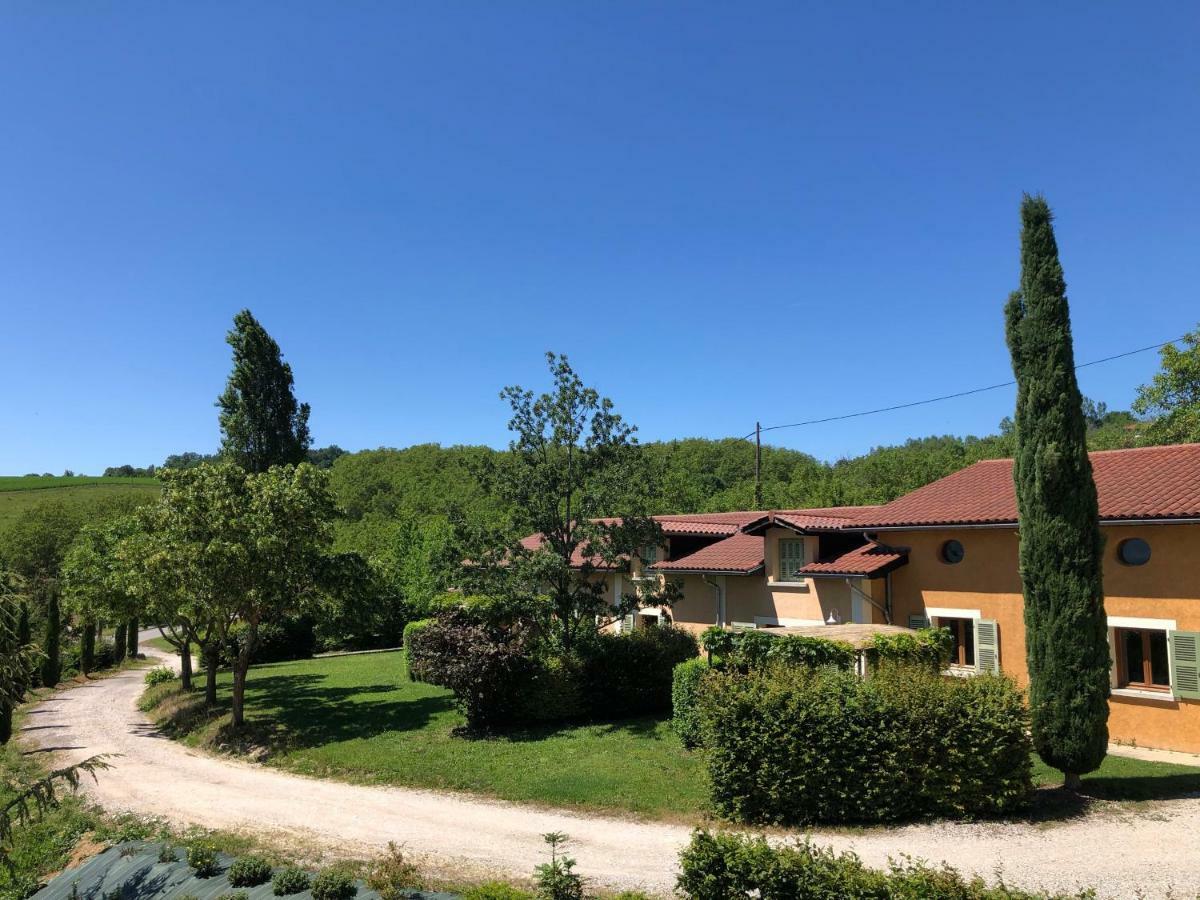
(869,559)
(739,554)
(1142,483)
(534,541)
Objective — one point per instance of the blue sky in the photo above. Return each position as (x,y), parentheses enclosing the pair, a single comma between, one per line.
(722,212)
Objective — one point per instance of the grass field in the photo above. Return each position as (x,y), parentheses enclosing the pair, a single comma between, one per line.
(358,718)
(19,493)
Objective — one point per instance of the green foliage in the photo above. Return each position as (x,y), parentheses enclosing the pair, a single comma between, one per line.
(334,884)
(797,745)
(801,650)
(234,895)
(410,630)
(287,638)
(720,866)
(202,857)
(393,875)
(290,880)
(557,880)
(159,675)
(685,692)
(496,890)
(1066,631)
(262,425)
(167,854)
(1173,397)
(249,871)
(717,641)
(631,674)
(928,647)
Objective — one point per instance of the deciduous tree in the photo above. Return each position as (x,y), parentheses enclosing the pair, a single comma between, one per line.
(1060,544)
(1173,397)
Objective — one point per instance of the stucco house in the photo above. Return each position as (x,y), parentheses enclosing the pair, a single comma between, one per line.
(946,554)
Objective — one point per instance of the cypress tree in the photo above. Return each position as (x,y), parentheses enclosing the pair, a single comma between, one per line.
(87,647)
(120,640)
(131,638)
(1060,544)
(261,422)
(51,645)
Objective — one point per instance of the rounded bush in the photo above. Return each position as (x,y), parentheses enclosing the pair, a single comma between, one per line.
(249,871)
(290,880)
(333,884)
(234,895)
(159,675)
(203,860)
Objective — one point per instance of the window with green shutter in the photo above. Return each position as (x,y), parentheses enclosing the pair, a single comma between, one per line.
(1185,664)
(916,623)
(791,558)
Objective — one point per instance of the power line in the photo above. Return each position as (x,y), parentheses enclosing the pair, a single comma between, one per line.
(954,396)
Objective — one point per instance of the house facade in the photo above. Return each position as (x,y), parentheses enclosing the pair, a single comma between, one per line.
(946,554)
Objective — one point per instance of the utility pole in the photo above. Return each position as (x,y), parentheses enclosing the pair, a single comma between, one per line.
(758,501)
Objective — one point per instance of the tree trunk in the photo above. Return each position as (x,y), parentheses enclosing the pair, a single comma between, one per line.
(120,640)
(87,647)
(131,642)
(212,657)
(52,664)
(1072,782)
(241,666)
(185,665)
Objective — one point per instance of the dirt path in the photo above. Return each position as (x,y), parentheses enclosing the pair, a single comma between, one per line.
(1117,854)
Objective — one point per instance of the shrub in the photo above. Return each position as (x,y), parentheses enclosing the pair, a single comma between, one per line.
(290,880)
(929,647)
(717,642)
(159,675)
(488,666)
(801,650)
(166,854)
(557,880)
(203,860)
(333,884)
(234,895)
(685,689)
(249,871)
(720,866)
(392,875)
(797,745)
(412,628)
(631,674)
(496,890)
(555,692)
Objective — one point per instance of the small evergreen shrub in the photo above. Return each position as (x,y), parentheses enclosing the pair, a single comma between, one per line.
(234,895)
(793,745)
(290,880)
(392,876)
(412,628)
(159,675)
(557,880)
(685,690)
(249,871)
(333,884)
(722,866)
(203,860)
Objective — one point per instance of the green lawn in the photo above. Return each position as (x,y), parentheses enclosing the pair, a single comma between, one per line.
(358,718)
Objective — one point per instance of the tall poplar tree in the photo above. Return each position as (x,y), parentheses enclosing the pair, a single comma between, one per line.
(261,422)
(1060,544)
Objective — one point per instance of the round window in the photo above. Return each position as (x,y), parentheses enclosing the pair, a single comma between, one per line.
(952,552)
(1133,552)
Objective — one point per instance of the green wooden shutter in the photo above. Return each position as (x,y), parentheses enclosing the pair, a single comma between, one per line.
(987,646)
(1185,664)
(791,558)
(917,622)
(627,624)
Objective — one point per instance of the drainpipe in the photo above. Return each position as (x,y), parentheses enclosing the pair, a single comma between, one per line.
(720,597)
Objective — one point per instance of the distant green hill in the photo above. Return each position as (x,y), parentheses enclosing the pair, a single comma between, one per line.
(19,492)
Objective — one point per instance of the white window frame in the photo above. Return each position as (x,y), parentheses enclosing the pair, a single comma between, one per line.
(934,613)
(1164,625)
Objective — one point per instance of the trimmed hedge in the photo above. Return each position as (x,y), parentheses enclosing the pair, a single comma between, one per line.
(685,690)
(412,628)
(720,866)
(795,746)
(630,674)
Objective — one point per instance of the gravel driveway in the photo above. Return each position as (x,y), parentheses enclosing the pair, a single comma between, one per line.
(1154,850)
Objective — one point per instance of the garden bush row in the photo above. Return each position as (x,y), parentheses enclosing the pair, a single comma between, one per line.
(791,745)
(721,866)
(501,676)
